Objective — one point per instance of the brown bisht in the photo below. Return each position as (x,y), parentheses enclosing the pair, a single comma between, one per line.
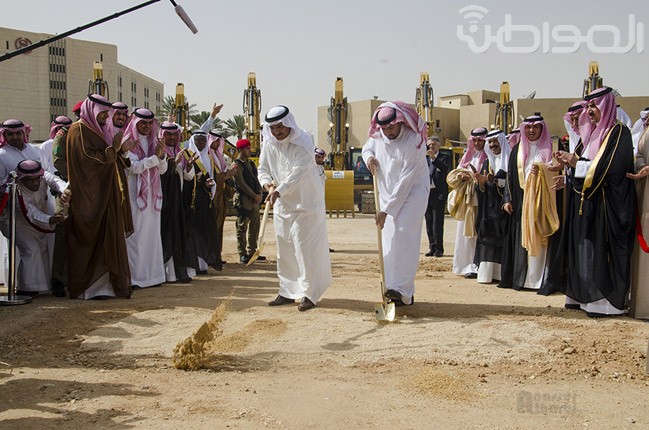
(100,213)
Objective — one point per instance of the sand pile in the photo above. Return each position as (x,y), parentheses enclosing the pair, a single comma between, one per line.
(191,353)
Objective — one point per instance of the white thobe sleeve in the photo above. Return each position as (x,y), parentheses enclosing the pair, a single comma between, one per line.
(36,216)
(369,150)
(264,171)
(207,125)
(139,166)
(163,165)
(54,182)
(401,190)
(304,160)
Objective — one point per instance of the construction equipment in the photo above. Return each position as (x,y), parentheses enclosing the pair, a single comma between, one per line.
(594,81)
(340,188)
(504,119)
(97,85)
(384,311)
(338,127)
(252,115)
(181,111)
(424,101)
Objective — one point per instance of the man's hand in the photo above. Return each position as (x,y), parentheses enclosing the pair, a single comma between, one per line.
(507,207)
(379,219)
(66,196)
(57,218)
(535,169)
(642,173)
(273,195)
(564,157)
(160,151)
(117,141)
(216,109)
(128,145)
(233,171)
(373,165)
(559,182)
(480,179)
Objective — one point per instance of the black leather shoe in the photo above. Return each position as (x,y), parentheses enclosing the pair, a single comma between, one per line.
(305,305)
(202,272)
(261,258)
(431,251)
(58,289)
(439,253)
(400,302)
(471,275)
(280,300)
(244,259)
(575,306)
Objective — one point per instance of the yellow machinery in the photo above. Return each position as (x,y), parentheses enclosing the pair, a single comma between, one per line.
(181,111)
(424,101)
(252,114)
(504,110)
(97,85)
(594,81)
(339,187)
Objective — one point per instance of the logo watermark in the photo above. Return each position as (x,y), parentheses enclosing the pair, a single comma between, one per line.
(546,403)
(556,39)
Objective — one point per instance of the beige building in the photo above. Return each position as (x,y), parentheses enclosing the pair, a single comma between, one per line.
(39,85)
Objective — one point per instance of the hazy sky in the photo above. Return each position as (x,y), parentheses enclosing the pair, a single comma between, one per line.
(298,47)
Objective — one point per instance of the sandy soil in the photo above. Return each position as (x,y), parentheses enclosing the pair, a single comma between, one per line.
(464,356)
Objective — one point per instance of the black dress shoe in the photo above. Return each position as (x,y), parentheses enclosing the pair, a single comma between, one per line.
(572,306)
(305,305)
(471,275)
(400,302)
(58,289)
(202,272)
(439,253)
(261,258)
(244,259)
(431,252)
(280,300)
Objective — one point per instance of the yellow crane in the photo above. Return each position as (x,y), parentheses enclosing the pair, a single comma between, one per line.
(504,110)
(252,113)
(97,85)
(338,128)
(181,110)
(594,81)
(424,101)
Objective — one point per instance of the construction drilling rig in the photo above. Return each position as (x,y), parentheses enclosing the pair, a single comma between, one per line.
(338,128)
(504,119)
(252,114)
(593,81)
(424,101)
(181,110)
(97,85)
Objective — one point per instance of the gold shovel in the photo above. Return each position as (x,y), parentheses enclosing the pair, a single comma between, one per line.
(385,310)
(260,239)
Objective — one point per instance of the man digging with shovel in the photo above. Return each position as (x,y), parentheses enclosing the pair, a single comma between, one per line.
(287,171)
(396,154)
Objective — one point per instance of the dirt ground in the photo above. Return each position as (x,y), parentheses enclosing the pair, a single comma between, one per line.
(464,356)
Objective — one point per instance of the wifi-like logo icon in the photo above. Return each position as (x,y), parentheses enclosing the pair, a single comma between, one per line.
(473,14)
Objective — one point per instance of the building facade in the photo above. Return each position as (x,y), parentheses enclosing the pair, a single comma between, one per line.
(47,82)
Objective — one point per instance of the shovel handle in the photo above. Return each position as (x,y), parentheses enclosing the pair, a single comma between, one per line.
(377,206)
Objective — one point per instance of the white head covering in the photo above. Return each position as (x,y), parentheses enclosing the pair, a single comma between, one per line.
(502,159)
(204,153)
(639,127)
(281,115)
(623,117)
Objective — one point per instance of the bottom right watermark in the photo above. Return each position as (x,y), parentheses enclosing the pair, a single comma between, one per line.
(546,403)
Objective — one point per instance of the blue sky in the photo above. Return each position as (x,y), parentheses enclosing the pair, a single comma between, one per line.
(298,47)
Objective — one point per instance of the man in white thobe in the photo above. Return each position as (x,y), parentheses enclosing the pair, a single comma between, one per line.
(46,147)
(35,221)
(396,154)
(464,252)
(287,171)
(148,162)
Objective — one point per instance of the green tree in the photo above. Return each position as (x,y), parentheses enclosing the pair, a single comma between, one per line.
(235,126)
(198,119)
(169,106)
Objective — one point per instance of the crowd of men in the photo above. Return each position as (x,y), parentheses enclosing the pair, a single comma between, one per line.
(115,202)
(568,220)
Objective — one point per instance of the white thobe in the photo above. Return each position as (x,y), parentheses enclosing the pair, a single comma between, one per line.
(144,246)
(535,264)
(33,245)
(303,261)
(46,154)
(464,250)
(404,185)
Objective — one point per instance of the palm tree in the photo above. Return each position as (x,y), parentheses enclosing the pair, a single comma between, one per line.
(235,126)
(169,106)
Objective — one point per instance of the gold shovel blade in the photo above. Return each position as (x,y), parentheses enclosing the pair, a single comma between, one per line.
(384,312)
(256,255)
